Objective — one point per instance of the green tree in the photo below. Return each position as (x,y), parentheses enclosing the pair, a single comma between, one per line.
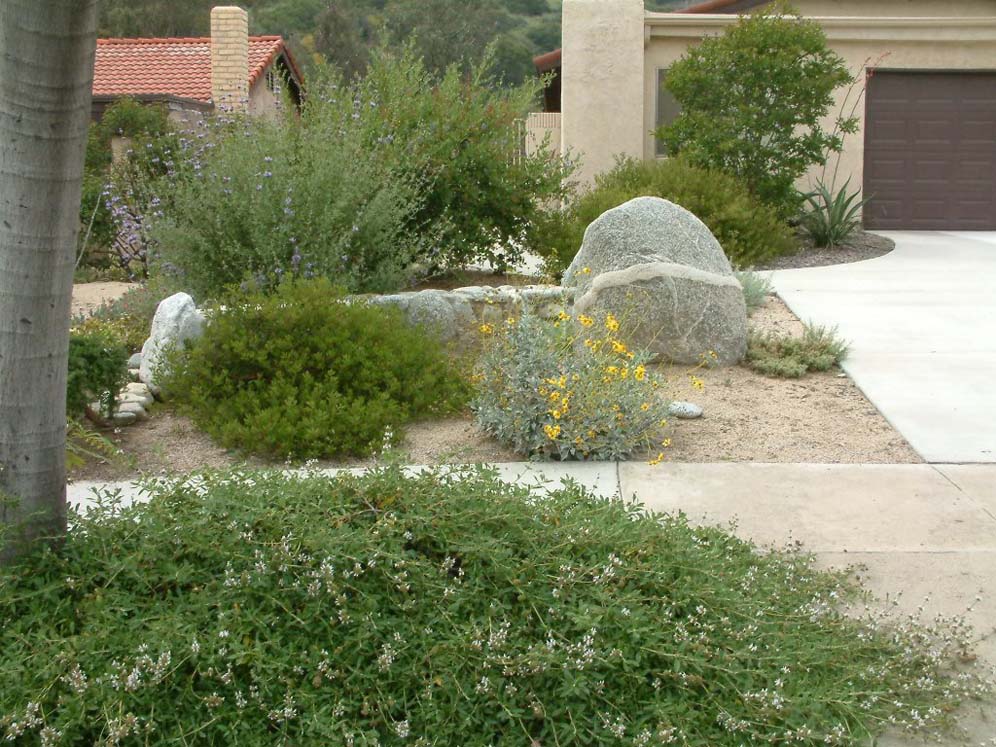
(754,101)
(46,78)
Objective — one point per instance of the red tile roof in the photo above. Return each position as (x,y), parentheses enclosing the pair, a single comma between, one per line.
(175,66)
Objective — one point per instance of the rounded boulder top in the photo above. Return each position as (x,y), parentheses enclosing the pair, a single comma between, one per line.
(645,230)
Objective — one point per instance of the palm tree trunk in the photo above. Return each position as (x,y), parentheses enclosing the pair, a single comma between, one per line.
(46,72)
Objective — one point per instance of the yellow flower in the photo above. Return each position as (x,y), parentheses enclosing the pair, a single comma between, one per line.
(510,321)
(585,271)
(666,443)
(611,323)
(589,343)
(663,424)
(486,329)
(612,370)
(563,316)
(645,406)
(624,373)
(657,460)
(554,396)
(586,321)
(696,382)
(639,373)
(556,414)
(552,431)
(618,347)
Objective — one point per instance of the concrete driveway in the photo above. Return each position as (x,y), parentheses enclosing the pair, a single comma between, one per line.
(922,326)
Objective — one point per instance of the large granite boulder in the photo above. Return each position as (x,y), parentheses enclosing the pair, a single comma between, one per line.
(177,320)
(661,272)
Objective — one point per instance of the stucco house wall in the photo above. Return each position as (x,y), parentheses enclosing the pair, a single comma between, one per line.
(600,62)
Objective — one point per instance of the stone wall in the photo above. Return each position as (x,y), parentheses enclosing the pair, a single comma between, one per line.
(456,315)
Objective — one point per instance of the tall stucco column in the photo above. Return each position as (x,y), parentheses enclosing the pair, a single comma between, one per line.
(602,82)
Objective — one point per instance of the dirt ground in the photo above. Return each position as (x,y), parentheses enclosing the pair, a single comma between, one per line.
(88,297)
(822,418)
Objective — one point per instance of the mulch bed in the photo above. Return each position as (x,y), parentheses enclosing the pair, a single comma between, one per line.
(861,246)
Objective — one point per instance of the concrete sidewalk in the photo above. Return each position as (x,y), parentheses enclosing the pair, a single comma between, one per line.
(920,529)
(922,326)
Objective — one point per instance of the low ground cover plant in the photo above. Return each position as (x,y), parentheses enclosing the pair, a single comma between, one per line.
(757,288)
(749,231)
(569,389)
(789,356)
(450,609)
(301,372)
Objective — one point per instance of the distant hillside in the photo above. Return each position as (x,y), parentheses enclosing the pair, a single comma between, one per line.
(343,31)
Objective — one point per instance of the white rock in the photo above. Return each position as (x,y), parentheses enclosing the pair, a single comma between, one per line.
(177,320)
(135,361)
(684,410)
(136,399)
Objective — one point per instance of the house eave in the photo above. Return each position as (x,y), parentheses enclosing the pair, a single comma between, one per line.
(869,28)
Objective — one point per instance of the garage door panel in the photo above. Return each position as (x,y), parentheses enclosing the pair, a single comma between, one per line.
(930,150)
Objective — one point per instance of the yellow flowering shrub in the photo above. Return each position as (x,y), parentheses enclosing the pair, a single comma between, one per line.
(569,389)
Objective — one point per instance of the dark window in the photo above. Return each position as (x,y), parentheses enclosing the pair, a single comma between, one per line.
(668,109)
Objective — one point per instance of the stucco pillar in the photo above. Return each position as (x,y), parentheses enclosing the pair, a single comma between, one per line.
(602,82)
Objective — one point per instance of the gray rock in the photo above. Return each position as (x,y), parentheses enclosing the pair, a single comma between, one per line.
(135,361)
(448,315)
(132,408)
(684,410)
(122,417)
(177,320)
(660,271)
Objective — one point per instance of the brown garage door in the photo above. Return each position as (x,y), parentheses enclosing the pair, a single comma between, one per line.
(930,150)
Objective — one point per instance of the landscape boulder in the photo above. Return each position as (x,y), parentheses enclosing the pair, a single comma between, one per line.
(660,271)
(177,320)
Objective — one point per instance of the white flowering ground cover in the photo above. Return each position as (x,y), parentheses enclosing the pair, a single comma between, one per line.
(445,609)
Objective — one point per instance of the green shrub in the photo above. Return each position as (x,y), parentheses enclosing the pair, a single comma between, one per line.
(302,373)
(754,101)
(569,389)
(832,218)
(788,356)
(749,231)
(392,173)
(258,609)
(756,288)
(463,133)
(98,368)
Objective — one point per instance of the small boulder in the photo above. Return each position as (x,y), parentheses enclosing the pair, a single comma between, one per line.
(135,361)
(177,320)
(122,417)
(658,268)
(684,410)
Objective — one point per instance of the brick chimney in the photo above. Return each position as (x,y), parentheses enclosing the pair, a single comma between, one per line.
(230,58)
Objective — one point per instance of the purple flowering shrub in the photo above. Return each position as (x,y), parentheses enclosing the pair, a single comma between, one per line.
(394,174)
(264,198)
